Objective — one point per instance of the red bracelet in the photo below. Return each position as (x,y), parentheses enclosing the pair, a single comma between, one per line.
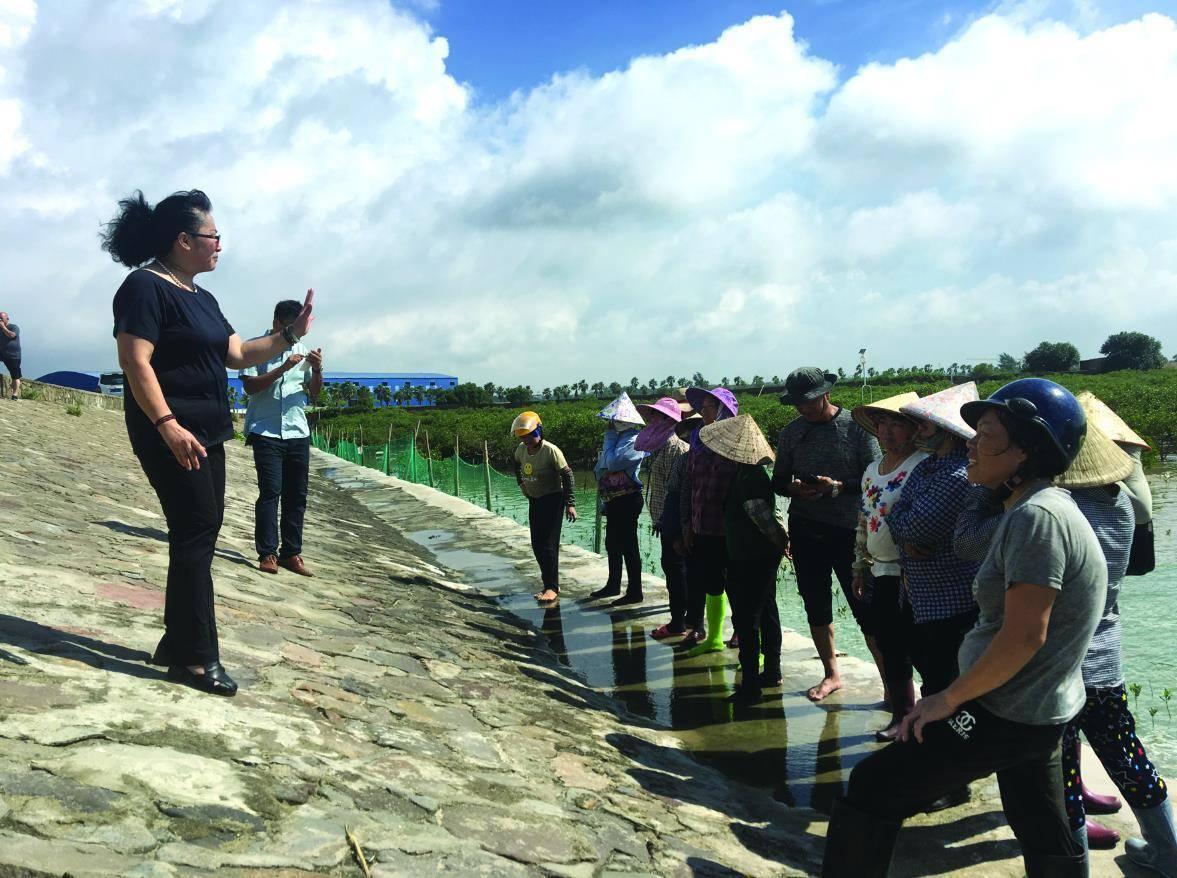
(165,419)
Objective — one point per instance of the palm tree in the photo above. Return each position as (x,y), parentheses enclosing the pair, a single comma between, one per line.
(383,393)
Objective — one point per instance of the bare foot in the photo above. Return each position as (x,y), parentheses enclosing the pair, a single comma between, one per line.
(827,686)
(547,595)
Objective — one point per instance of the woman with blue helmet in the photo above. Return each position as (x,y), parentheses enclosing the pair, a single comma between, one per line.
(1041,592)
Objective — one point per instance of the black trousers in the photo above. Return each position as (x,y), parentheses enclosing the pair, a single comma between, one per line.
(282,467)
(621,541)
(891,629)
(545,517)
(751,590)
(193,503)
(706,574)
(905,777)
(674,568)
(821,552)
(930,646)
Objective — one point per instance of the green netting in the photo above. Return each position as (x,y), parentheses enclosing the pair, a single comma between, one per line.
(476,482)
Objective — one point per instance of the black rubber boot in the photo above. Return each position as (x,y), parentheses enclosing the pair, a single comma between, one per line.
(858,844)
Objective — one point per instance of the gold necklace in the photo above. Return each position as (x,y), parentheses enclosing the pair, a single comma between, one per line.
(190,287)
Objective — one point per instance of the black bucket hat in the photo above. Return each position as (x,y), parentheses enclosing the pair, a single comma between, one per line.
(806,383)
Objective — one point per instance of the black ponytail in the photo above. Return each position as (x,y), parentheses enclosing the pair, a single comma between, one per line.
(140,233)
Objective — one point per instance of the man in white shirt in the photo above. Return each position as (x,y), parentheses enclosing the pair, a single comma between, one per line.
(277,430)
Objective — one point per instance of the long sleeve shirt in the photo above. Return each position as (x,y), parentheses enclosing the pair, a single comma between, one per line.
(939,585)
(975,524)
(838,448)
(618,464)
(658,469)
(704,490)
(671,521)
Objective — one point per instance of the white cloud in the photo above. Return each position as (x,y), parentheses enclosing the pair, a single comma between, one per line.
(730,207)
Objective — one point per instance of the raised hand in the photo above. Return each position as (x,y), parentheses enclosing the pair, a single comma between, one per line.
(302,323)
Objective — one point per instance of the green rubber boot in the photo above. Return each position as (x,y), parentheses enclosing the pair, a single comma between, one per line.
(716,611)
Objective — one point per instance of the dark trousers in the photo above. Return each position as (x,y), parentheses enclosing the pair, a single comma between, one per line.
(1110,729)
(706,574)
(930,646)
(621,541)
(904,778)
(282,467)
(674,568)
(821,552)
(545,516)
(193,503)
(751,590)
(891,631)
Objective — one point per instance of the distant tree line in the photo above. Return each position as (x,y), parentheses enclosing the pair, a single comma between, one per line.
(1124,350)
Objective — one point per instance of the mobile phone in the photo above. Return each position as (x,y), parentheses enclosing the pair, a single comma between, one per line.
(809,479)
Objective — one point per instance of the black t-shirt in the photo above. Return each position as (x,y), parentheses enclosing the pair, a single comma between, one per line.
(191,338)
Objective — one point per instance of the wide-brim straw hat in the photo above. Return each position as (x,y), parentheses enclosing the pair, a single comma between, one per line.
(866,416)
(622,411)
(1100,413)
(1100,461)
(942,408)
(688,425)
(739,439)
(665,406)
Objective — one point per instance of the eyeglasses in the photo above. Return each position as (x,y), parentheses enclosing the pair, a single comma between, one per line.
(216,237)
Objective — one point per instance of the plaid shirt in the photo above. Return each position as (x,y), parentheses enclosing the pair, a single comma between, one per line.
(658,467)
(704,490)
(941,585)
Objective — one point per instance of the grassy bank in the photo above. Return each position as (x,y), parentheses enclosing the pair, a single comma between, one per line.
(1146,400)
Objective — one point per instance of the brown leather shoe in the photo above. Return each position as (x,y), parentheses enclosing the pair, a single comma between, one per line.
(268,564)
(294,562)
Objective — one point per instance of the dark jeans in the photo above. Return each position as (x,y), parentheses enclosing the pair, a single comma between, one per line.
(931,646)
(675,569)
(751,589)
(193,503)
(891,631)
(621,541)
(545,516)
(282,467)
(821,551)
(706,574)
(904,778)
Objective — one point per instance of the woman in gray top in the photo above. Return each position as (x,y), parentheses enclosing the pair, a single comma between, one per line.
(1040,592)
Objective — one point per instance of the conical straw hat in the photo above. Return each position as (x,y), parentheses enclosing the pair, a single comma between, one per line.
(622,411)
(1100,461)
(943,408)
(865,415)
(1099,413)
(739,439)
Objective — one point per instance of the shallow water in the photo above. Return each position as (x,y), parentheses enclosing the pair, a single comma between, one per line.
(798,750)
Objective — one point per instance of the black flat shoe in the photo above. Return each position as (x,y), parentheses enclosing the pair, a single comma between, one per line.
(608,591)
(770,679)
(626,600)
(214,680)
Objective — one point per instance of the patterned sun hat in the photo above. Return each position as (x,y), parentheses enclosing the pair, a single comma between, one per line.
(622,411)
(739,439)
(943,408)
(1100,461)
(866,416)
(1100,413)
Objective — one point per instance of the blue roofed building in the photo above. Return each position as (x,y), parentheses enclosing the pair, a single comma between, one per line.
(407,381)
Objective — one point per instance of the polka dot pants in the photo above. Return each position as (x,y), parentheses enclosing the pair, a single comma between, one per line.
(1108,726)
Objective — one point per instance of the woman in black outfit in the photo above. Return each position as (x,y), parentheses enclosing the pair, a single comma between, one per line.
(174,345)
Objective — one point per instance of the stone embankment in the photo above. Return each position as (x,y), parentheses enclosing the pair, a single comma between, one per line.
(389,697)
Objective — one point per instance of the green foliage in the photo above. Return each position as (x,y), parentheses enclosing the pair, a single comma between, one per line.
(1133,350)
(1053,356)
(1146,400)
(1009,363)
(74,408)
(27,392)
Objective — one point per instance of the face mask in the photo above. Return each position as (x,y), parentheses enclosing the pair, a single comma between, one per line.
(932,442)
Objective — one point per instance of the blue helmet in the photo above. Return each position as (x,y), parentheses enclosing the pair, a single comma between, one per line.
(1044,405)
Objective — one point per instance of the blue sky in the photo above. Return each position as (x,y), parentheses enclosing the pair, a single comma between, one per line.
(498,46)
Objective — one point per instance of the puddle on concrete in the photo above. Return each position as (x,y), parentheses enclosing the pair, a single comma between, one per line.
(801,751)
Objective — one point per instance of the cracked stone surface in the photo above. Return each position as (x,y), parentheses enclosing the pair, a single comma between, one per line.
(397,694)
